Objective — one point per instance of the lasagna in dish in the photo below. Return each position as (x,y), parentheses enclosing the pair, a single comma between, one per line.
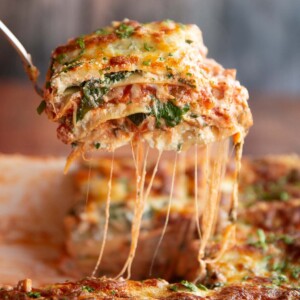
(263,264)
(267,245)
(142,82)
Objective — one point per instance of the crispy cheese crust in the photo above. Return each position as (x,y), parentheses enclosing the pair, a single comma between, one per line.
(103,288)
(150,82)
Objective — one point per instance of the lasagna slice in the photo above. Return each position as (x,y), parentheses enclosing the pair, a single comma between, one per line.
(148,82)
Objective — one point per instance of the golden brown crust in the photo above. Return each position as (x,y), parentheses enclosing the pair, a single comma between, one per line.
(94,80)
(103,288)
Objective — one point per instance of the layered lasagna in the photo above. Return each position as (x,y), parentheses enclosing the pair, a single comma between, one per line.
(263,264)
(147,82)
(266,249)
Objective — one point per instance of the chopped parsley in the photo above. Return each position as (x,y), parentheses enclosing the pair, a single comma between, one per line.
(72,63)
(284,196)
(147,47)
(295,272)
(97,145)
(189,285)
(124,31)
(287,239)
(60,58)
(87,289)
(262,238)
(146,62)
(279,279)
(41,107)
(34,295)
(279,266)
(80,42)
(189,82)
(261,242)
(189,41)
(173,288)
(202,287)
(101,31)
(268,191)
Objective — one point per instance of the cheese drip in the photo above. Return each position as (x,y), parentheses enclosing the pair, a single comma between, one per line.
(168,215)
(107,206)
(214,171)
(140,167)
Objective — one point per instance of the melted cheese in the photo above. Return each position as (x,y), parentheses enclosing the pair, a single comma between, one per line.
(106,217)
(159,71)
(132,63)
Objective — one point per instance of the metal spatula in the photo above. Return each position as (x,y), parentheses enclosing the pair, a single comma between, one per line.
(30,68)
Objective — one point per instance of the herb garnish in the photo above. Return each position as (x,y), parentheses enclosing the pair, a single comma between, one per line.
(147,47)
(124,31)
(296,272)
(60,58)
(173,288)
(261,242)
(101,31)
(87,288)
(279,266)
(189,285)
(72,63)
(190,83)
(41,107)
(97,145)
(146,62)
(202,287)
(279,279)
(34,294)
(189,41)
(81,43)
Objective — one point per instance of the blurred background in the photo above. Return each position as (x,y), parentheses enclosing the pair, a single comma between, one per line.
(260,38)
